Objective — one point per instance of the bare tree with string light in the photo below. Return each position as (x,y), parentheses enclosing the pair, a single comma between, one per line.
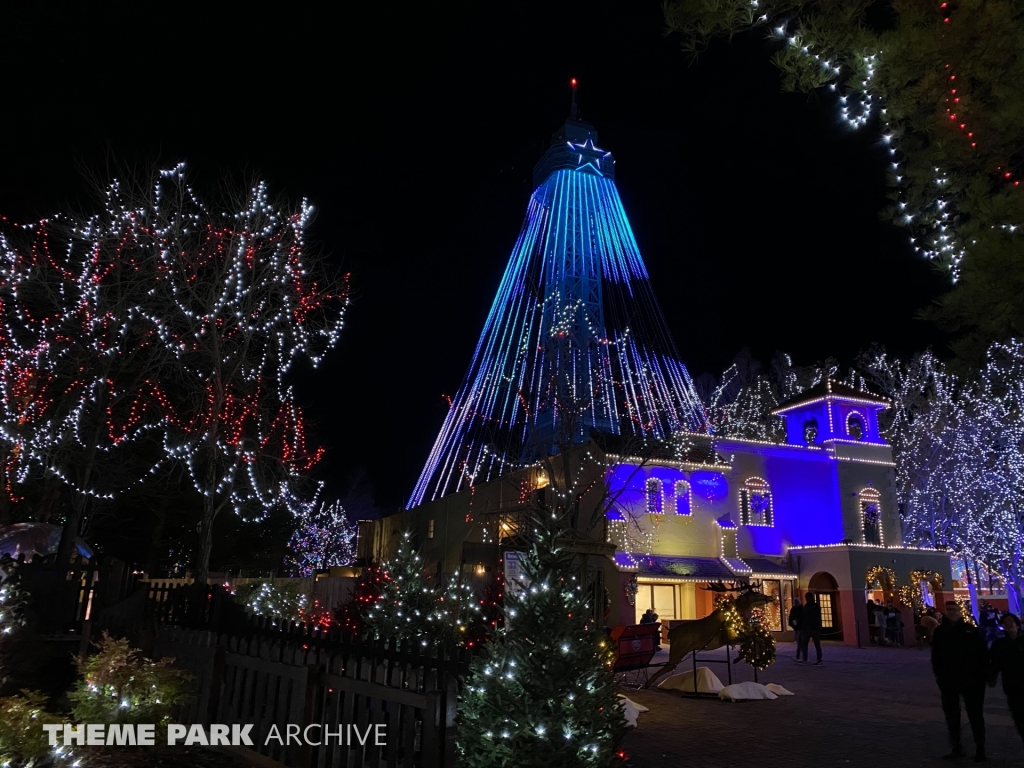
(167,324)
(80,361)
(243,299)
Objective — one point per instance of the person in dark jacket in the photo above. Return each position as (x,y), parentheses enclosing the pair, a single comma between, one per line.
(960,664)
(795,614)
(1006,658)
(810,627)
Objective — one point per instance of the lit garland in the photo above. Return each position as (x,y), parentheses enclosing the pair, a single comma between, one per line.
(886,580)
(965,610)
(913,594)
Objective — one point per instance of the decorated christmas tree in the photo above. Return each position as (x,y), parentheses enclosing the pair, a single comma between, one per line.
(540,692)
(409,604)
(368,588)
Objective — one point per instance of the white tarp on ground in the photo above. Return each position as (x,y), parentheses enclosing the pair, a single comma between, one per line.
(707,682)
(748,691)
(631,710)
(778,690)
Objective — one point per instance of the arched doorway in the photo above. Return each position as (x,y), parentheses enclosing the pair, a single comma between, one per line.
(824,585)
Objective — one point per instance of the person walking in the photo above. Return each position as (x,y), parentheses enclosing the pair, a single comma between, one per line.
(1007,658)
(795,614)
(960,664)
(810,627)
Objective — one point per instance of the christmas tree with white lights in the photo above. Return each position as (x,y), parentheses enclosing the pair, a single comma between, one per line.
(400,600)
(540,692)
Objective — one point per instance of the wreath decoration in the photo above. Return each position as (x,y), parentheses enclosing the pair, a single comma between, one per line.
(885,578)
(912,595)
(631,587)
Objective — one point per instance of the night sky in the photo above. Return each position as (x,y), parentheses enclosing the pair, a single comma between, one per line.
(414,131)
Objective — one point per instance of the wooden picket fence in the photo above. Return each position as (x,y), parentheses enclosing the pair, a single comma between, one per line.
(268,673)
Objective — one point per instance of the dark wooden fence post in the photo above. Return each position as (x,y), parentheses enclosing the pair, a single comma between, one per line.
(451,731)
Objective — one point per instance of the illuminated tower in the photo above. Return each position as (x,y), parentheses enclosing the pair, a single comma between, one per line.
(575,339)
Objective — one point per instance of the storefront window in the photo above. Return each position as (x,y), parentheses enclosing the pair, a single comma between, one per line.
(661,598)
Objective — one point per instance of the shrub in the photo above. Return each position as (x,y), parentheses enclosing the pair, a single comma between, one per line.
(279,601)
(119,685)
(22,738)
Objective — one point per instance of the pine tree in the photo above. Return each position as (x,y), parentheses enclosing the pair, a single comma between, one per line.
(368,588)
(540,693)
(407,599)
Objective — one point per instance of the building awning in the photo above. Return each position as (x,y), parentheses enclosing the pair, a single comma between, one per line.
(678,568)
(762,566)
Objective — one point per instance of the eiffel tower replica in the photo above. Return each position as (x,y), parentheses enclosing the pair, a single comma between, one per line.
(575,339)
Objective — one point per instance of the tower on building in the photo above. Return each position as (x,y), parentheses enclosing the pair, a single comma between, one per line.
(575,341)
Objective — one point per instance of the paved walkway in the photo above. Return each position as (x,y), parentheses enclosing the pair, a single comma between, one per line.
(876,707)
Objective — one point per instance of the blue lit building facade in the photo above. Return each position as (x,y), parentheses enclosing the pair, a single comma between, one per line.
(817,512)
(575,341)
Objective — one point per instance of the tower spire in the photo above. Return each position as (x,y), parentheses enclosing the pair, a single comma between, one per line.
(575,343)
(573,109)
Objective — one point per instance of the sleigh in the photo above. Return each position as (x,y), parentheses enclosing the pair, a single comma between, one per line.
(635,646)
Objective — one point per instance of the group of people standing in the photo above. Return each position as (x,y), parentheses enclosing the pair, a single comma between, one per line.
(963,664)
(805,619)
(885,622)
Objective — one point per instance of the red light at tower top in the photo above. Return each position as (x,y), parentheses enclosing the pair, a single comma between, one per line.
(573,82)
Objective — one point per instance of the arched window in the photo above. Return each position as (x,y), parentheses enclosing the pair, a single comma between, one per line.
(855,426)
(655,496)
(756,503)
(682,497)
(810,431)
(871,516)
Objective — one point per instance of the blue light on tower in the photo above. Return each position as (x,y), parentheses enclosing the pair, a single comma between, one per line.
(575,324)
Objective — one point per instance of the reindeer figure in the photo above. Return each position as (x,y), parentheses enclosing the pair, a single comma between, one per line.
(710,632)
